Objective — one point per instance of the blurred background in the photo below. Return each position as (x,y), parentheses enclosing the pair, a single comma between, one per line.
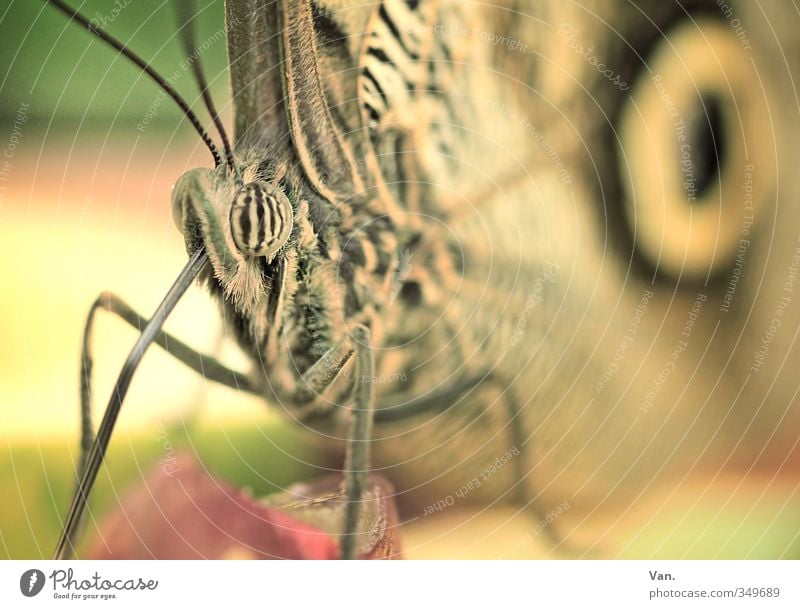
(91,148)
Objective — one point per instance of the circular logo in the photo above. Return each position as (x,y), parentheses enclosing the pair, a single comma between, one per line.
(31,582)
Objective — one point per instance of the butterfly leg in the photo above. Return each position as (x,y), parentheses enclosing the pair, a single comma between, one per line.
(91,464)
(308,393)
(204,365)
(357,457)
(439,400)
(314,381)
(448,397)
(523,489)
(525,496)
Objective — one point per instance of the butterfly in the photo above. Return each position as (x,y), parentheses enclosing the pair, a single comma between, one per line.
(498,250)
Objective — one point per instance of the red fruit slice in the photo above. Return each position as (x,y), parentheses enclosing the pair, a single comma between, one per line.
(184,513)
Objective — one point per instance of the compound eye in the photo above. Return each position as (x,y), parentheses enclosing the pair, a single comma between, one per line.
(261,219)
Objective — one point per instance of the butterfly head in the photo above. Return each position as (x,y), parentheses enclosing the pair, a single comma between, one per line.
(245,226)
(247,221)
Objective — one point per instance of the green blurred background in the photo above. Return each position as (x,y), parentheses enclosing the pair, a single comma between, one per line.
(84,206)
(74,81)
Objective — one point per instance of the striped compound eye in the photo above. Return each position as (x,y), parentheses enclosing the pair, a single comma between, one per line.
(261,219)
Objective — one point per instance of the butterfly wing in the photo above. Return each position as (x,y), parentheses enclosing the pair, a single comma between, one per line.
(254,57)
(294,70)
